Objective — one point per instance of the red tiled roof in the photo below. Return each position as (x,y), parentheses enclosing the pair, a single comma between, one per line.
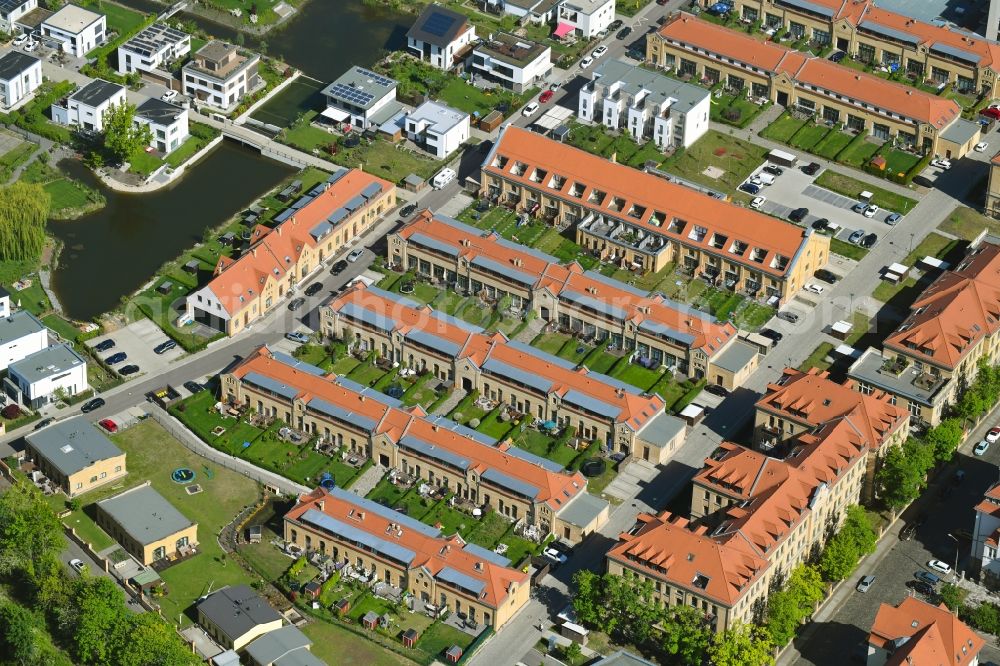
(432,553)
(929,635)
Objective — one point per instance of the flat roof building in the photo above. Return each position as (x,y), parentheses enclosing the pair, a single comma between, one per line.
(146,525)
(236,615)
(75,455)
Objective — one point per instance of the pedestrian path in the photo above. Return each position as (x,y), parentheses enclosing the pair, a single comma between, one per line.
(451,402)
(368,480)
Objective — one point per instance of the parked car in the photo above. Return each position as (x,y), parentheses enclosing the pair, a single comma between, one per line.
(826,276)
(920,587)
(837,56)
(408,210)
(545,96)
(770,334)
(941,164)
(193,386)
(116,358)
(31,46)
(77,565)
(870,210)
(314,289)
(869,241)
(586,62)
(338,267)
(774,169)
(757,202)
(599,51)
(814,288)
(939,566)
(790,317)
(562,547)
(923,181)
(993,435)
(530,110)
(169,95)
(297,336)
(355,255)
(798,214)
(104,345)
(865,583)
(860,207)
(715,389)
(624,32)
(614,25)
(991,112)
(811,169)
(91,405)
(892,218)
(856,236)
(927,577)
(127,370)
(908,531)
(108,425)
(750,188)
(822,224)
(296,303)
(44,422)
(554,556)
(20,39)
(164,347)
(981,147)
(981,448)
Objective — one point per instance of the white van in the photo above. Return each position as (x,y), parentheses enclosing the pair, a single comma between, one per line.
(765,178)
(443,177)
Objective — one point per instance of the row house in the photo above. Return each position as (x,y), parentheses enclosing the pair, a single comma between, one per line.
(315,228)
(542,386)
(403,552)
(936,351)
(658,331)
(938,53)
(753,518)
(835,94)
(642,222)
(476,468)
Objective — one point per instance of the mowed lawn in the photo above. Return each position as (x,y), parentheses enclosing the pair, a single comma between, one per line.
(735,157)
(336,645)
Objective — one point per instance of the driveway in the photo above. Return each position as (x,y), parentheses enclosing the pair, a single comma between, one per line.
(137,340)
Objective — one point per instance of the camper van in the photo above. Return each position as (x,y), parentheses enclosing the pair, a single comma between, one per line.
(443,177)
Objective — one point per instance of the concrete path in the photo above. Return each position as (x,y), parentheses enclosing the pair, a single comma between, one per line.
(451,403)
(531,331)
(631,479)
(365,483)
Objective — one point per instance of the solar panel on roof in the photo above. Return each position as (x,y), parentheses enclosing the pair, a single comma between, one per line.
(377,78)
(350,94)
(438,24)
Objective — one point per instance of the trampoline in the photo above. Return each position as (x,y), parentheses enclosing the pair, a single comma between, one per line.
(327,481)
(182,475)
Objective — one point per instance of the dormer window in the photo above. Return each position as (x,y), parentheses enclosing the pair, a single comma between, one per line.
(780,262)
(500,162)
(577,190)
(698,233)
(538,175)
(557,181)
(738,247)
(636,211)
(657,218)
(758,255)
(718,241)
(617,203)
(676,226)
(597,197)
(519,169)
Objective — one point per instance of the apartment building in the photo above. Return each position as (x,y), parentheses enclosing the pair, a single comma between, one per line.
(647,105)
(834,93)
(917,632)
(437,128)
(655,330)
(441,37)
(315,228)
(146,525)
(937,349)
(154,48)
(220,75)
(511,61)
(938,53)
(75,456)
(643,222)
(477,468)
(401,551)
(804,402)
(77,30)
(20,76)
(986,538)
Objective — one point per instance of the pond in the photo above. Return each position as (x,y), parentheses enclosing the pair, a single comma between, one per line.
(111,253)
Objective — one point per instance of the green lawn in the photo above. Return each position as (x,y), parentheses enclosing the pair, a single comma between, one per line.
(68,196)
(849,250)
(491,425)
(808,136)
(440,637)
(734,110)
(14,158)
(852,187)
(599,140)
(967,223)
(737,159)
(144,163)
(817,359)
(831,145)
(859,152)
(61,326)
(783,128)
(898,161)
(336,645)
(906,291)
(120,19)
(32,299)
(636,375)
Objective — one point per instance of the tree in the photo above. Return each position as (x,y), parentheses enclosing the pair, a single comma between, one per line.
(946,436)
(685,634)
(901,477)
(19,629)
(100,618)
(588,601)
(741,645)
(838,559)
(858,529)
(124,137)
(952,595)
(631,609)
(788,607)
(30,535)
(24,209)
(146,640)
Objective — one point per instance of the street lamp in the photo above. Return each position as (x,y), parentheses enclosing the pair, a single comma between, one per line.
(957,544)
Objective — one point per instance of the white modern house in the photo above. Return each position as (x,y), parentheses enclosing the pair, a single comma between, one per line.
(21,334)
(437,128)
(168,122)
(362,98)
(152,49)
(584,18)
(86,107)
(441,37)
(511,61)
(220,75)
(536,11)
(77,30)
(12,10)
(39,376)
(20,76)
(647,105)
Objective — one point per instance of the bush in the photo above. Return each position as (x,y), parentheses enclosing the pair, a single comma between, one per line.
(732,114)
(985,617)
(10,412)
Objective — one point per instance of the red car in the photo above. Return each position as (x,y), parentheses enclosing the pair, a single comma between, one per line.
(992,112)
(109,425)
(545,96)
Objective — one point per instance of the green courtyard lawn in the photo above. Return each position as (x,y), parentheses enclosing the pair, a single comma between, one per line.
(492,425)
(898,161)
(808,136)
(859,152)
(817,359)
(783,129)
(831,145)
(967,223)
(906,291)
(32,298)
(15,157)
(849,250)
(337,645)
(533,441)
(735,157)
(852,187)
(734,109)
(440,637)
(598,140)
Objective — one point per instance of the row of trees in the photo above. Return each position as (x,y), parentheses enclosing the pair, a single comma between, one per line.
(86,615)
(626,609)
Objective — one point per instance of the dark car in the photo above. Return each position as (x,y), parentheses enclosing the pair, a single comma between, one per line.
(798,214)
(750,188)
(338,267)
(908,531)
(869,240)
(920,587)
(923,181)
(614,25)
(91,405)
(822,224)
(774,169)
(408,210)
(164,347)
(624,32)
(773,335)
(662,2)
(927,577)
(116,358)
(715,389)
(44,422)
(193,386)
(314,288)
(104,345)
(837,56)
(296,304)
(811,169)
(790,317)
(128,370)
(826,276)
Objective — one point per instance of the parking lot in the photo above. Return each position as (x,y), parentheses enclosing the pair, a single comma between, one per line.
(137,341)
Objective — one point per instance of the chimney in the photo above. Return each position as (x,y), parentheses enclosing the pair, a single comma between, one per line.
(321,504)
(362,397)
(620,393)
(435,427)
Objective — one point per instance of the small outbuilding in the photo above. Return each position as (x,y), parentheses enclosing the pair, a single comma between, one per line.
(453,654)
(342,606)
(410,638)
(370,620)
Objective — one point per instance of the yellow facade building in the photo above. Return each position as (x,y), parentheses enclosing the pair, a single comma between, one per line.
(75,456)
(147,526)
